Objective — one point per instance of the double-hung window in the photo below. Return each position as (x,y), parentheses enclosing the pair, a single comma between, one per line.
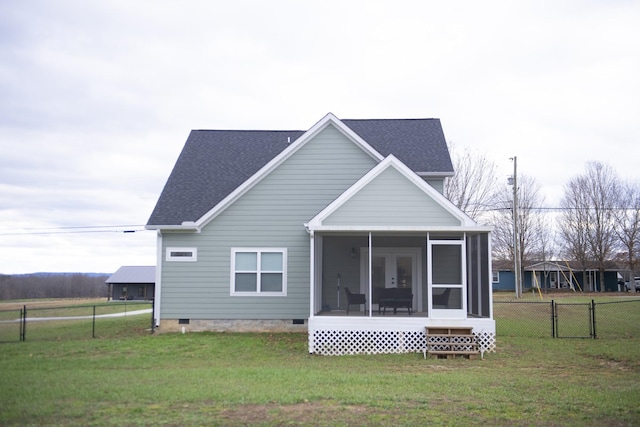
(259,271)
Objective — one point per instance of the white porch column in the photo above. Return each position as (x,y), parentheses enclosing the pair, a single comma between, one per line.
(370,276)
(157,293)
(312,273)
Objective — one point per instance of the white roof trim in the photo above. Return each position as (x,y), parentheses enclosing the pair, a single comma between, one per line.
(394,228)
(185,226)
(435,174)
(327,120)
(391,161)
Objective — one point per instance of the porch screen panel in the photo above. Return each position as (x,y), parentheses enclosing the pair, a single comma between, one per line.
(379,269)
(403,273)
(473,288)
(478,281)
(447,261)
(447,276)
(485,276)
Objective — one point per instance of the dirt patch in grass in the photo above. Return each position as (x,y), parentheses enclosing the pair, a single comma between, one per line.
(306,413)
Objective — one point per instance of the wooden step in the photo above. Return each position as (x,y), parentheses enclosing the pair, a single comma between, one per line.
(453,354)
(450,342)
(451,336)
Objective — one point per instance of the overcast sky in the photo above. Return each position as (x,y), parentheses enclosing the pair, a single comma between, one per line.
(98,97)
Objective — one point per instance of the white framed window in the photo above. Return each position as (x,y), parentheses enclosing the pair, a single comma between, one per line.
(259,271)
(182,254)
(495,276)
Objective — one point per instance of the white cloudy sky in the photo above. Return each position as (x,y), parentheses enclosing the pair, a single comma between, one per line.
(98,97)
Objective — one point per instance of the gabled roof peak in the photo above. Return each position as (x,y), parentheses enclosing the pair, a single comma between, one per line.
(214,163)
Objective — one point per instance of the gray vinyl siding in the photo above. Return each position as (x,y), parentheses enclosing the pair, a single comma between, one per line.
(271,214)
(390,199)
(437,183)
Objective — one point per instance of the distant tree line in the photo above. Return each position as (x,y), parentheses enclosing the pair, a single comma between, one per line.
(597,221)
(52,285)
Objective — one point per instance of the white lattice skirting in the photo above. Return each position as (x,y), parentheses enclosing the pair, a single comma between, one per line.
(342,342)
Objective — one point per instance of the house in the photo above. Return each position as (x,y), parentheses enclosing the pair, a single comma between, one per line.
(557,275)
(132,283)
(266,230)
(502,276)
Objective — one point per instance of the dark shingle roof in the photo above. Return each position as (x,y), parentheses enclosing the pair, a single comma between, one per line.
(213,163)
(133,274)
(418,143)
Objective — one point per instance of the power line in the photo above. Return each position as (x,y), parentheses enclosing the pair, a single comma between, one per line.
(546,208)
(125,228)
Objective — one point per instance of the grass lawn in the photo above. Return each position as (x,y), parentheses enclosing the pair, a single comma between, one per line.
(270,379)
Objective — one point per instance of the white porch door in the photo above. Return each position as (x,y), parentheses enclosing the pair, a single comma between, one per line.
(391,268)
(446,279)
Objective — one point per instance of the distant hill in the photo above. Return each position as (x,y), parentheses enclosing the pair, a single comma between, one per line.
(53,285)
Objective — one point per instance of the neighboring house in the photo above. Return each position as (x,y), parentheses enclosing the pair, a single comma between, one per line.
(502,276)
(265,230)
(557,275)
(132,283)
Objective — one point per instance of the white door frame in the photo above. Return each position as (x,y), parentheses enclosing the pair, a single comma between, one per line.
(447,313)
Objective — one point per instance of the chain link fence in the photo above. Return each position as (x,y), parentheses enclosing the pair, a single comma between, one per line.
(595,319)
(560,319)
(106,320)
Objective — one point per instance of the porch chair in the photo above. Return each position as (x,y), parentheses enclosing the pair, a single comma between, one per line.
(442,299)
(355,299)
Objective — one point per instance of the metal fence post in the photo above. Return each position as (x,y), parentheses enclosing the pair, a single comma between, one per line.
(592,310)
(153,312)
(24,323)
(553,319)
(93,334)
(20,339)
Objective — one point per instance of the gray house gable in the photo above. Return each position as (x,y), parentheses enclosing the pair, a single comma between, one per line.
(390,197)
(214,163)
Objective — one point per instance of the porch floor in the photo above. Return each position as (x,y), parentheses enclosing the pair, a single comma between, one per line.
(389,313)
(400,313)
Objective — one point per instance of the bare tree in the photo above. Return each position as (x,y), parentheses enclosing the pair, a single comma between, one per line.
(573,225)
(472,187)
(587,223)
(533,231)
(628,221)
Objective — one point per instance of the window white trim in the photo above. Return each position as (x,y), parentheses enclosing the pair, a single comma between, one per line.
(495,276)
(178,254)
(258,271)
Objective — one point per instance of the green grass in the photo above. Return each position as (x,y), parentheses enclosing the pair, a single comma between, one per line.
(269,379)
(129,377)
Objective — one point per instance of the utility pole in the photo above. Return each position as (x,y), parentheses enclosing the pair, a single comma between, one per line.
(516,240)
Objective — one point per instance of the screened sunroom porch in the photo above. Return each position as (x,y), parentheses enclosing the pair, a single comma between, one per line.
(446,275)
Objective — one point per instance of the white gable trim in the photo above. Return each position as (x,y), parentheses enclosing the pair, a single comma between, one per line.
(392,162)
(327,120)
